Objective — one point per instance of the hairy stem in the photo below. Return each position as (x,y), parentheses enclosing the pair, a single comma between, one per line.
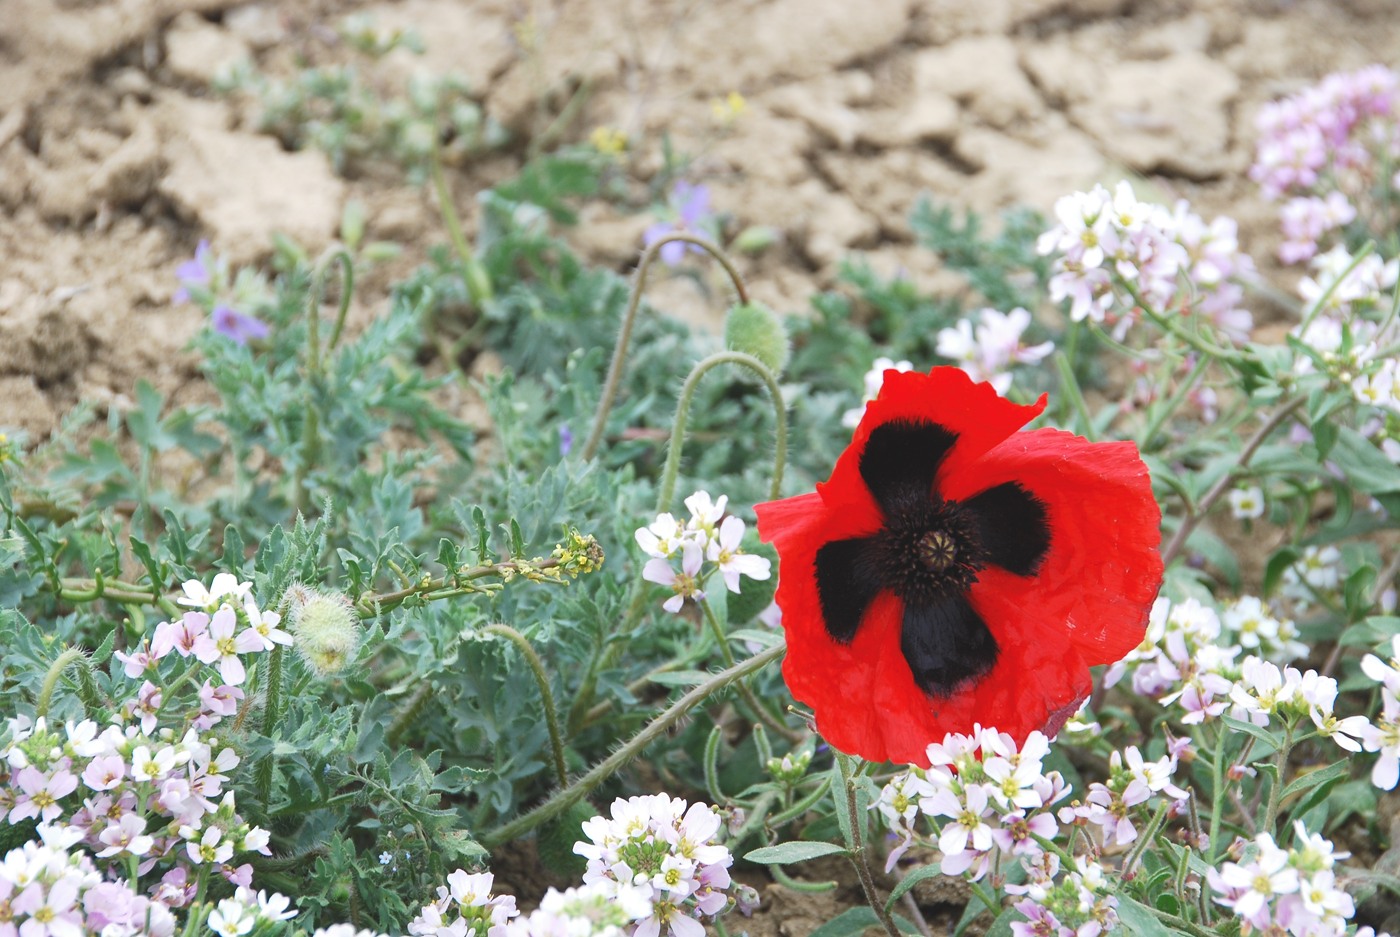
(55,671)
(669,474)
(571,795)
(551,717)
(629,318)
(1193,518)
(859,858)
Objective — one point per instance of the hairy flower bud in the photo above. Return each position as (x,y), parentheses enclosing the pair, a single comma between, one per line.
(326,628)
(756,330)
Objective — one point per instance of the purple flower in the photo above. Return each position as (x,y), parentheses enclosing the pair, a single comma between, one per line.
(197,272)
(691,204)
(566,436)
(240,327)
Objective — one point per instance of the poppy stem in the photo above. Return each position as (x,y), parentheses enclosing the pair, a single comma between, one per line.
(859,858)
(1194,517)
(551,717)
(667,489)
(629,318)
(605,769)
(775,723)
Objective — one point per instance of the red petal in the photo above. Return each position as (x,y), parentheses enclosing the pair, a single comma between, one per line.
(1087,603)
(946,396)
(1096,585)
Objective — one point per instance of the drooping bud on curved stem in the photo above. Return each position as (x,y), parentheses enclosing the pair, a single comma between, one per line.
(624,334)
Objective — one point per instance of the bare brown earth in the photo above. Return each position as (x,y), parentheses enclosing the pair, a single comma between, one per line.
(116,157)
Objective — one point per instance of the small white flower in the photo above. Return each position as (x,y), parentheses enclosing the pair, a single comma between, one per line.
(1247,503)
(734,562)
(684,584)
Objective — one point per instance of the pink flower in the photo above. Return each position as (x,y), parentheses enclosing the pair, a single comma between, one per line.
(179,636)
(127,835)
(40,794)
(53,913)
(104,772)
(136,663)
(219,644)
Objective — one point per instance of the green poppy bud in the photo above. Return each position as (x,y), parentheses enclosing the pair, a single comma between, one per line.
(326,629)
(756,330)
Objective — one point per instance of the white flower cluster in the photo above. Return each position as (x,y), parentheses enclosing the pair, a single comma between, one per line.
(1281,891)
(1189,654)
(1316,573)
(590,911)
(465,907)
(709,541)
(1113,250)
(1110,806)
(1080,904)
(874,380)
(47,887)
(223,624)
(988,351)
(985,794)
(659,858)
(239,915)
(155,799)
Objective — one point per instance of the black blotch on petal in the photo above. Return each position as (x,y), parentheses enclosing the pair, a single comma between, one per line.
(946,644)
(900,460)
(1013,527)
(847,581)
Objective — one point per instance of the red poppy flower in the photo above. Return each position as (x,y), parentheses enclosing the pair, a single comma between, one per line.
(956,571)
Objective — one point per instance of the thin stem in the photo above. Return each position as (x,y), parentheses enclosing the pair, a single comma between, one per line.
(1145,839)
(566,798)
(667,489)
(1070,386)
(629,318)
(473,275)
(1266,823)
(551,717)
(60,664)
(989,901)
(272,708)
(858,855)
(1217,793)
(745,693)
(1191,521)
(1171,405)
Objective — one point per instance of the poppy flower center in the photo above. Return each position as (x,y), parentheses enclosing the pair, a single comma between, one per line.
(928,553)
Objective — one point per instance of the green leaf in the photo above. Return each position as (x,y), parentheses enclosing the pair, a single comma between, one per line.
(909,881)
(153,569)
(1001,927)
(1274,569)
(1319,782)
(758,636)
(234,549)
(1139,920)
(680,678)
(1270,742)
(1364,464)
(789,853)
(855,921)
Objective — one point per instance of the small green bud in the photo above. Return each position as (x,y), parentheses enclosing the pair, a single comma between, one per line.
(755,239)
(326,629)
(756,330)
